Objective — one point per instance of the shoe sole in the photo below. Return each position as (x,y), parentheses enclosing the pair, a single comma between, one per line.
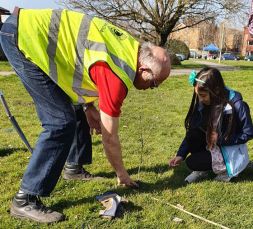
(17,214)
(197,179)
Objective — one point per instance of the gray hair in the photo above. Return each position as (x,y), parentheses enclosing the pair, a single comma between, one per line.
(146,57)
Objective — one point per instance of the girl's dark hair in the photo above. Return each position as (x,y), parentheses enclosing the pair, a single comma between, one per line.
(219,97)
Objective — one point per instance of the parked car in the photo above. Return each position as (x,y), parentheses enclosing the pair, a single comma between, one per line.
(181,57)
(229,56)
(194,54)
(249,58)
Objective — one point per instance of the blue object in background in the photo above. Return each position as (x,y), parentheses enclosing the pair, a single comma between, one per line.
(211,48)
(229,56)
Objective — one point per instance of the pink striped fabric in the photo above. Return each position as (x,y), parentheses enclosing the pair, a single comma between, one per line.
(250,25)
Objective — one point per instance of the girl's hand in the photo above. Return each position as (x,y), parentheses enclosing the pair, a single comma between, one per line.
(175,161)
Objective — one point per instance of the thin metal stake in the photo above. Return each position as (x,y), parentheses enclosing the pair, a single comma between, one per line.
(14,122)
(142,148)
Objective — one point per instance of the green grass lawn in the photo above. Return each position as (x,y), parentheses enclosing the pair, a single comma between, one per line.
(242,64)
(156,116)
(5,66)
(191,64)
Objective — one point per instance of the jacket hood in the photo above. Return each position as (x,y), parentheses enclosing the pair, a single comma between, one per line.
(234,96)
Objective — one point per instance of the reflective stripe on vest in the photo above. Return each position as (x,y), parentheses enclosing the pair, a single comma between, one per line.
(74,42)
(52,42)
(79,65)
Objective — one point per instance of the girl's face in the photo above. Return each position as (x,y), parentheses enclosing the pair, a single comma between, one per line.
(204,96)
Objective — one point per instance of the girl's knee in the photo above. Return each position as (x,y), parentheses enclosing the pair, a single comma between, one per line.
(190,163)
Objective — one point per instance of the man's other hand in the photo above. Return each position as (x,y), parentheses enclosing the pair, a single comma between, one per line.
(93,119)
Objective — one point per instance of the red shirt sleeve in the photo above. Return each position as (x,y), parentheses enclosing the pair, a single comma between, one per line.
(112,91)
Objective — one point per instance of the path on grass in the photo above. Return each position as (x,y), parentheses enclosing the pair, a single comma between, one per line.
(221,67)
(174,72)
(7,73)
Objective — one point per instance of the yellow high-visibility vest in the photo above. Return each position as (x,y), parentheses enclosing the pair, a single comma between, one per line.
(65,44)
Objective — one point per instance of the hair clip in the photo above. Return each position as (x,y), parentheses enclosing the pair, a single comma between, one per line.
(192,78)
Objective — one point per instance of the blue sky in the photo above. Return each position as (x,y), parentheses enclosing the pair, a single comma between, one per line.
(34,4)
(10,4)
(38,4)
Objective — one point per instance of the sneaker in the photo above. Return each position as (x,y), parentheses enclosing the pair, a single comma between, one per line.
(77,172)
(196,176)
(222,177)
(30,207)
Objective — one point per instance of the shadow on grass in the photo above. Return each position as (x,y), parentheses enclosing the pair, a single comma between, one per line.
(157,185)
(173,182)
(8,151)
(67,203)
(156,168)
(246,175)
(126,206)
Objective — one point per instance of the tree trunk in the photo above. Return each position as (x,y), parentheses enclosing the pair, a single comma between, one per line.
(163,39)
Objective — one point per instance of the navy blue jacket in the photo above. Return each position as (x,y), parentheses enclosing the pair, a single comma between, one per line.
(244,127)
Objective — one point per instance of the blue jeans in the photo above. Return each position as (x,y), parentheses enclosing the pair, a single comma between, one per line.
(56,113)
(81,148)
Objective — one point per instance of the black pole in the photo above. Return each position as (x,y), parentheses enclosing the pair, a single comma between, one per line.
(14,122)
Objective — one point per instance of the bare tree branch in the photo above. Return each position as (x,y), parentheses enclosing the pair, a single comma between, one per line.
(156,19)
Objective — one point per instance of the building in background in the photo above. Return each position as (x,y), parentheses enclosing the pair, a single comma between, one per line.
(198,36)
(247,48)
(233,40)
(208,32)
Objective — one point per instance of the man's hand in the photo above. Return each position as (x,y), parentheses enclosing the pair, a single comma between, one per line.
(175,161)
(125,180)
(93,119)
(112,148)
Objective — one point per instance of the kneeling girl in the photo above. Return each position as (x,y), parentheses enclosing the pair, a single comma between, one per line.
(217,117)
